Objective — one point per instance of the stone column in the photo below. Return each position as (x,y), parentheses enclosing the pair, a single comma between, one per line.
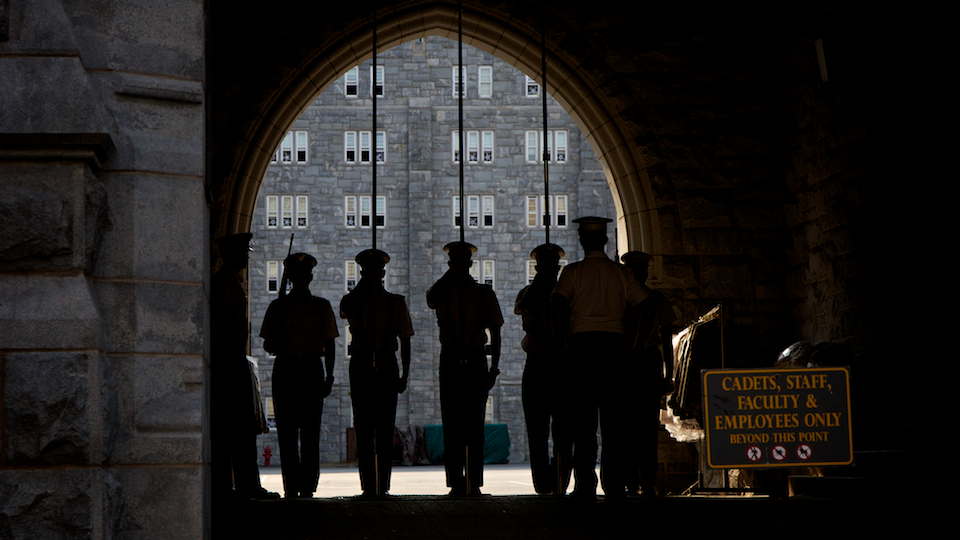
(103,253)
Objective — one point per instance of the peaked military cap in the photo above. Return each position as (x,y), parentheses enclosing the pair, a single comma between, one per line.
(592,223)
(370,258)
(460,248)
(632,258)
(550,250)
(235,241)
(299,262)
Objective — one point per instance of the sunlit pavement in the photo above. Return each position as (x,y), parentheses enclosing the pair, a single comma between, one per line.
(509,479)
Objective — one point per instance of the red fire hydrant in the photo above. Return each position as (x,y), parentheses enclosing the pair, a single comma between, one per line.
(266,456)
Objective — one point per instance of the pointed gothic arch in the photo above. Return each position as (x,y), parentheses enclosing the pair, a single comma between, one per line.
(575,85)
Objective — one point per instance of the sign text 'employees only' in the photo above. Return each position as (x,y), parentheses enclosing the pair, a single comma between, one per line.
(777,417)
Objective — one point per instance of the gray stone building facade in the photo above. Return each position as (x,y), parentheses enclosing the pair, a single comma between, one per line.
(318,189)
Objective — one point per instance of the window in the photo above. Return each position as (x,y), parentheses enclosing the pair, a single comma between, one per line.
(350,210)
(303,207)
(350,147)
(487,146)
(286,148)
(377,87)
(536,210)
(473,147)
(381,148)
(561,146)
(357,211)
(350,82)
(272,211)
(531,88)
(479,146)
(286,211)
(293,147)
(357,149)
(485,81)
(350,274)
(457,87)
(484,271)
(273,275)
(301,146)
(479,210)
(555,140)
(532,269)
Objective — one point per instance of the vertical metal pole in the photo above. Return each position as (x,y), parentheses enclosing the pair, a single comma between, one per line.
(460,91)
(373,228)
(546,134)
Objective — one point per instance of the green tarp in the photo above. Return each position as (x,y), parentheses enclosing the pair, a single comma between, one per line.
(496,443)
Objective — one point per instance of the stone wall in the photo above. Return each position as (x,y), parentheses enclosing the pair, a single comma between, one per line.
(102,262)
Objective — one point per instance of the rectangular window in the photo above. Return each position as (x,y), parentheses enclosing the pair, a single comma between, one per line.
(532,269)
(362,214)
(532,211)
(485,81)
(485,271)
(473,211)
(532,146)
(473,147)
(381,147)
(286,148)
(377,86)
(561,146)
(560,210)
(350,81)
(350,275)
(537,211)
(273,275)
(286,211)
(487,146)
(457,87)
(350,210)
(303,207)
(531,88)
(350,146)
(536,143)
(364,147)
(301,146)
(272,211)
(479,210)
(455,146)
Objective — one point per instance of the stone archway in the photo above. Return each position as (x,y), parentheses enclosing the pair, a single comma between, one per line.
(577,88)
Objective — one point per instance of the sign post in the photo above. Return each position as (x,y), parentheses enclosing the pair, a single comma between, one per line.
(777,417)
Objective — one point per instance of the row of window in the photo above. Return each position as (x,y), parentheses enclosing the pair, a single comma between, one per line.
(364,147)
(351,82)
(483,270)
(293,211)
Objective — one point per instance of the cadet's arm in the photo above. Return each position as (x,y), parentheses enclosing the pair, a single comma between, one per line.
(405,361)
(329,360)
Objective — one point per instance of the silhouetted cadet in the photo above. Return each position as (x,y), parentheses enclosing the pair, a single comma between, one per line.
(465,309)
(589,303)
(300,330)
(234,423)
(651,373)
(377,319)
(543,389)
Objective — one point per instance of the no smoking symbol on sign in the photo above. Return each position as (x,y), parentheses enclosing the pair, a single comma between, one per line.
(804,452)
(754,453)
(779,453)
